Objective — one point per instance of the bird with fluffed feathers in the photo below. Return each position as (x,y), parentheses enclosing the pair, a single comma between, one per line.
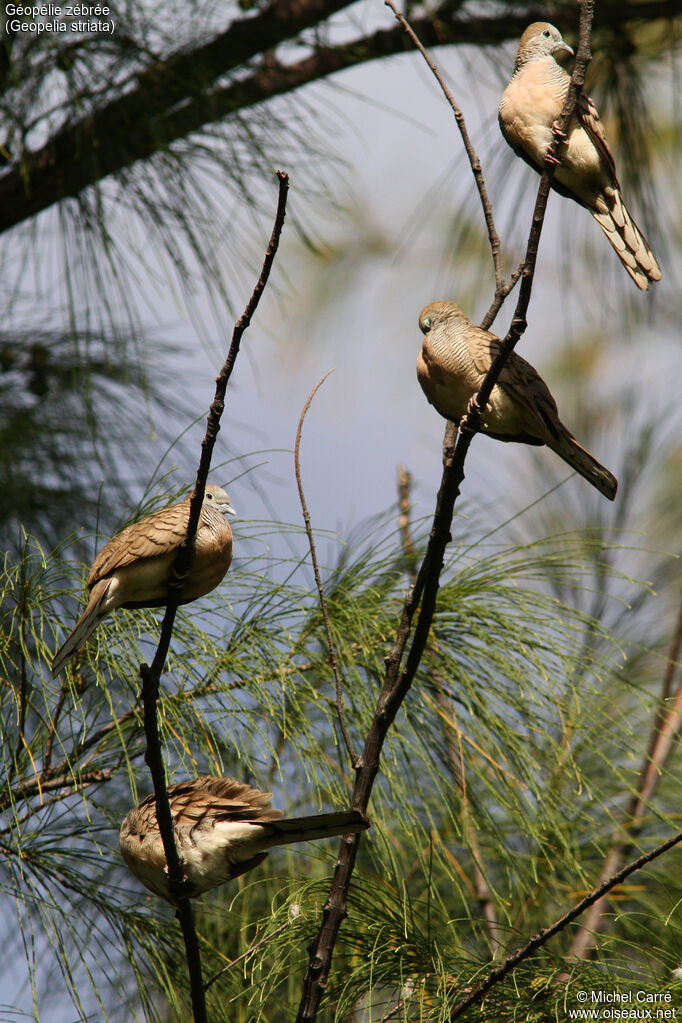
(222,829)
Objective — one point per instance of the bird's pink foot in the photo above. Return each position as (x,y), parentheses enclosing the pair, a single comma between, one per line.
(550,158)
(556,130)
(471,420)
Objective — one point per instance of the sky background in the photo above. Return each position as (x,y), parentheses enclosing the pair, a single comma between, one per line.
(357,311)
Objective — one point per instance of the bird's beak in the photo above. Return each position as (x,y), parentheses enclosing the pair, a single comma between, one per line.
(562,50)
(227,509)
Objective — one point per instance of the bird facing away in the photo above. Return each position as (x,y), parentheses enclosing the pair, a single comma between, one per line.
(132,570)
(452,364)
(222,829)
(586,171)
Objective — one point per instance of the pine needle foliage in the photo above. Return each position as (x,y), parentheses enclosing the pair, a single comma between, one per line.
(73,415)
(508,757)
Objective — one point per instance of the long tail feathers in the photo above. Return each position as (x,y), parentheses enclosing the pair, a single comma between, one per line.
(589,468)
(84,627)
(325,825)
(629,242)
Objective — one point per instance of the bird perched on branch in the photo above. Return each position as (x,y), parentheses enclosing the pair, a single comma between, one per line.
(222,829)
(528,114)
(452,364)
(132,570)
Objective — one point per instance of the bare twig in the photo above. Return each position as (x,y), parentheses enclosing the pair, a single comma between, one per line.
(666,728)
(404,485)
(501,288)
(151,675)
(23,694)
(70,781)
(397,681)
(499,298)
(47,754)
(333,659)
(540,939)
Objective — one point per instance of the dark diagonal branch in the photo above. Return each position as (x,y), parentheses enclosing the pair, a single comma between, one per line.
(68,773)
(69,781)
(422,595)
(452,741)
(147,117)
(333,659)
(666,728)
(151,675)
(540,939)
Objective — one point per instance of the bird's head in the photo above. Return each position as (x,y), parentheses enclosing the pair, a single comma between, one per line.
(217,498)
(542,40)
(437,312)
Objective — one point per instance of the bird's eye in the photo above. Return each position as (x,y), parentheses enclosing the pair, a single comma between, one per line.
(546,33)
(425,325)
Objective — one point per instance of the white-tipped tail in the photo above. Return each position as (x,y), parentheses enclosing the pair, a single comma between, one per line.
(84,627)
(626,238)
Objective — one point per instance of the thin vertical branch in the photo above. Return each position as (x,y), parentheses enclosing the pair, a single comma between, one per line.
(151,675)
(404,485)
(501,289)
(23,684)
(23,696)
(52,731)
(333,659)
(154,759)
